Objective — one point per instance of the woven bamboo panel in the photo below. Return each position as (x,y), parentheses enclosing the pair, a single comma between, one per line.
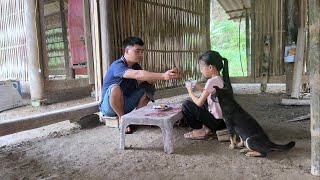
(173,32)
(13,54)
(270,20)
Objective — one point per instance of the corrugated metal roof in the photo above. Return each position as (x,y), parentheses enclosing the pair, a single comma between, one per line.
(234,8)
(53,7)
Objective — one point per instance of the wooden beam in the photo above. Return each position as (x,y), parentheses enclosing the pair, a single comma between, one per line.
(57,85)
(238,10)
(34,68)
(26,123)
(53,1)
(314,58)
(44,52)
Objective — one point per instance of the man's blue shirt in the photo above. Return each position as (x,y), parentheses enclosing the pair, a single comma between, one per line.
(114,75)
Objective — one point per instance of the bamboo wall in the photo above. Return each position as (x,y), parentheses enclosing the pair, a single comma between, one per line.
(13,50)
(270,20)
(174,33)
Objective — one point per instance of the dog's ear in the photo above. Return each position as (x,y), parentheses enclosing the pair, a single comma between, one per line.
(216,87)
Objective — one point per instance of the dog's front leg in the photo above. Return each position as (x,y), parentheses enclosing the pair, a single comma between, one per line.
(233,141)
(240,144)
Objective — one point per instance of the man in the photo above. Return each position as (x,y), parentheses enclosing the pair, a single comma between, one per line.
(120,91)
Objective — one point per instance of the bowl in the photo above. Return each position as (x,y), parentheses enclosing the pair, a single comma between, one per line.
(193,83)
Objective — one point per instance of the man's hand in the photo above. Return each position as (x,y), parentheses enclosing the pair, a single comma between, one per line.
(171,74)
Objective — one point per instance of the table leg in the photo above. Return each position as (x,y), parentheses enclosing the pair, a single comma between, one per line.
(122,134)
(168,139)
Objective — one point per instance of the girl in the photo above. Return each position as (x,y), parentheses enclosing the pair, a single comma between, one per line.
(204,113)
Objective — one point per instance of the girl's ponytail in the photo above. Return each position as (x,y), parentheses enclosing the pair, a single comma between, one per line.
(225,75)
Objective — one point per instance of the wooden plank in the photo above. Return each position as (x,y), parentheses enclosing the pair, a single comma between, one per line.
(314,57)
(26,123)
(69,71)
(301,118)
(88,40)
(298,64)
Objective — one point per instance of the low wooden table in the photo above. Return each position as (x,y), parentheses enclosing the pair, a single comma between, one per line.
(149,116)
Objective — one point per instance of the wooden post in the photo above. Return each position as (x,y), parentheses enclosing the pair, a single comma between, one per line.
(34,69)
(207,23)
(253,16)
(248,43)
(69,71)
(265,64)
(42,41)
(314,57)
(106,34)
(88,40)
(291,36)
(298,65)
(95,26)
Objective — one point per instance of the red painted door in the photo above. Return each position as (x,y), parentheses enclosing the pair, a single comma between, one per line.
(76,36)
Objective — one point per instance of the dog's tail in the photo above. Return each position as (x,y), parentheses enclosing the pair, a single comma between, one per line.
(283,147)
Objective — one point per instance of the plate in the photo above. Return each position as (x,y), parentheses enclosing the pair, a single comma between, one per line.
(161,107)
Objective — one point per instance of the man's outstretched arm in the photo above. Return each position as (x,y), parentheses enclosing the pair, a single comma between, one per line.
(143,75)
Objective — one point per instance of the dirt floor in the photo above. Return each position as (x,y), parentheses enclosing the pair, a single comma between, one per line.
(63,151)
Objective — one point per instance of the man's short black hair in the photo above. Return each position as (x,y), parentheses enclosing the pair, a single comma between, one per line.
(131,41)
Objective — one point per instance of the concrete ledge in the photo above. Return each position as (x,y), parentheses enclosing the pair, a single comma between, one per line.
(25,123)
(296,102)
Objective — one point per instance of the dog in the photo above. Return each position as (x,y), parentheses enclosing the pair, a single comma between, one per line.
(241,123)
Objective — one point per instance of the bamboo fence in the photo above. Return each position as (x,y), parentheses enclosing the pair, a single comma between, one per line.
(13,54)
(174,33)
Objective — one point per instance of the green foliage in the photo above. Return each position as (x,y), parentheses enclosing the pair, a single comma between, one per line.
(224,35)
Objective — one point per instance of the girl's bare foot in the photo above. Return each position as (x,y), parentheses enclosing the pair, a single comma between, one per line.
(196,134)
(206,129)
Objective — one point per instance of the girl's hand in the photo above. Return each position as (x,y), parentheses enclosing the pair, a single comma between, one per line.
(189,88)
